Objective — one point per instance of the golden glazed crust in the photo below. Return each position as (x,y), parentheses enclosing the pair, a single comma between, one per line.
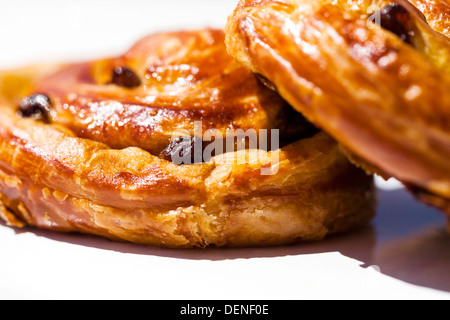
(437,13)
(185,77)
(52,177)
(385,100)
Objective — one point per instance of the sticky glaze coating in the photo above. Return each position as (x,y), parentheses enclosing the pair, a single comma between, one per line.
(386,101)
(93,169)
(164,83)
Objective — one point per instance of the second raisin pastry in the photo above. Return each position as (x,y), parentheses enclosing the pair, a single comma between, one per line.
(373,74)
(90,147)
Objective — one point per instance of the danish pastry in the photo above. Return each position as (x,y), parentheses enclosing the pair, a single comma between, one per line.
(89,147)
(373,74)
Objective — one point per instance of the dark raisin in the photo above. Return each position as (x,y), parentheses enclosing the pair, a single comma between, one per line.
(125,77)
(36,106)
(397,19)
(184,150)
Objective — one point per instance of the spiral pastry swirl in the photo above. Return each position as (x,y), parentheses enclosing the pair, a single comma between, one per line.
(373,74)
(86,147)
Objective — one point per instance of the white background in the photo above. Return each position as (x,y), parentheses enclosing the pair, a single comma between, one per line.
(403,254)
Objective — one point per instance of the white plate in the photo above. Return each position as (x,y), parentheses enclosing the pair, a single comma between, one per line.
(403,254)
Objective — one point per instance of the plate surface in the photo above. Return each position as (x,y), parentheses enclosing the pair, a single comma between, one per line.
(403,254)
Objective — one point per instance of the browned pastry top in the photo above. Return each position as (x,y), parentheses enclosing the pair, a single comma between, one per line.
(381,88)
(163,83)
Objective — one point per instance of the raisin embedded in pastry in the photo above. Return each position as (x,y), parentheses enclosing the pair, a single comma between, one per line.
(375,75)
(36,106)
(90,148)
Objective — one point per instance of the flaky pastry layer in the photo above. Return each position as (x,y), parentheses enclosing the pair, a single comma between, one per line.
(381,87)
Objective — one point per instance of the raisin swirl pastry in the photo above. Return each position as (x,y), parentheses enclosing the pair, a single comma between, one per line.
(87,148)
(373,74)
